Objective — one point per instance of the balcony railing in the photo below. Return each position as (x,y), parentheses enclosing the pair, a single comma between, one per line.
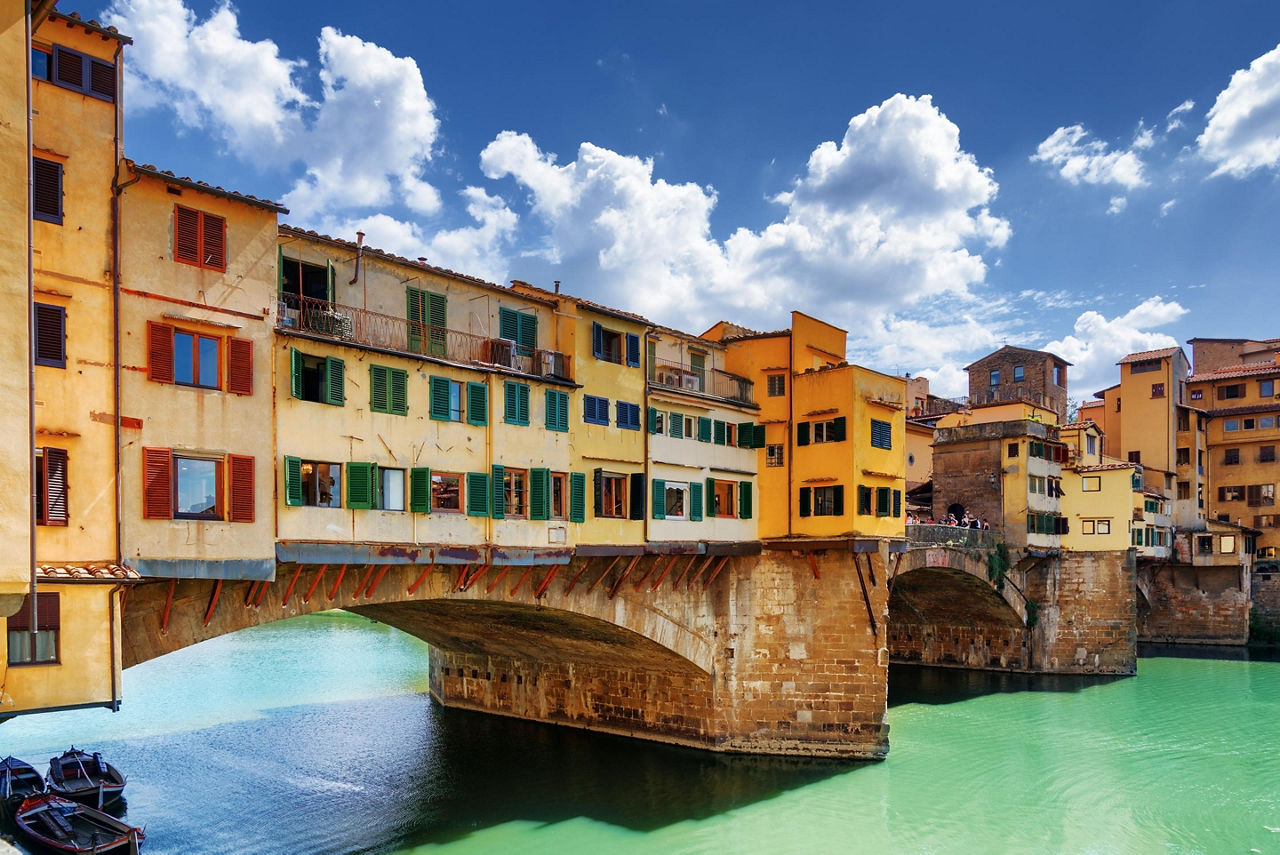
(706,381)
(387,332)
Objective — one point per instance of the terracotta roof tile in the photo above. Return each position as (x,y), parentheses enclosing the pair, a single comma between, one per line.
(1105,467)
(608,310)
(86,573)
(1145,355)
(166,175)
(1245,411)
(91,24)
(1236,371)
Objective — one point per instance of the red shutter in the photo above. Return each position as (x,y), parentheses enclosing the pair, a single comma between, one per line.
(186,235)
(55,486)
(240,366)
(159,352)
(240,469)
(157,484)
(213,242)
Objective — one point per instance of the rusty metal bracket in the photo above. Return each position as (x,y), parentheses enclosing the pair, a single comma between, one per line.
(866,598)
(813,563)
(497,581)
(542,589)
(706,562)
(315,584)
(527,571)
(670,566)
(213,601)
(422,577)
(337,583)
(623,577)
(724,559)
(288,591)
(168,604)
(586,564)
(377,580)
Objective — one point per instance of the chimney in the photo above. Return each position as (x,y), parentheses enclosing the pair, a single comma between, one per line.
(557,286)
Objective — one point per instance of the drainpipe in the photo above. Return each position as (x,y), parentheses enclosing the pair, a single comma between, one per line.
(790,427)
(117,190)
(359,254)
(644,407)
(31,337)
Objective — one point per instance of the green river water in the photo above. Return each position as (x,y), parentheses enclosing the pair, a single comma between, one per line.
(315,735)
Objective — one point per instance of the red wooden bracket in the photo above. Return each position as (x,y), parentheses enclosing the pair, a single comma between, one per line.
(288,592)
(213,601)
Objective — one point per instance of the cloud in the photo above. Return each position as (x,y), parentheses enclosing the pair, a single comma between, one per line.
(1118,204)
(1166,207)
(1243,131)
(363,144)
(1091,161)
(1098,343)
(1173,120)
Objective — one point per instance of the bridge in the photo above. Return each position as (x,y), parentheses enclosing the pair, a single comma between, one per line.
(779,648)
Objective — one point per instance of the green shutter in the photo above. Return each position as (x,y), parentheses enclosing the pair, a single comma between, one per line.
(499,493)
(509,406)
(335,381)
(415,312)
(528,336)
(897,503)
(477,404)
(577,497)
(838,429)
(802,433)
(420,490)
(439,404)
(332,279)
(864,500)
(806,500)
(659,499)
(557,410)
(360,485)
(744,500)
(653,420)
(677,425)
(292,481)
(539,494)
(882,501)
(398,391)
(438,321)
(378,389)
(704,429)
(711,497)
(746,432)
(523,402)
(757,439)
(508,324)
(719,432)
(477,494)
(695,501)
(295,372)
(280,270)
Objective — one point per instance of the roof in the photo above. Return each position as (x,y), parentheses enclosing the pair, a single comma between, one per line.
(1236,371)
(1009,347)
(1245,411)
(86,573)
(1084,425)
(1102,394)
(1105,467)
(91,25)
(1148,355)
(521,287)
(709,342)
(769,334)
(205,187)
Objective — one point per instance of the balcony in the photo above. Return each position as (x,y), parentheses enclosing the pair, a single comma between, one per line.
(704,381)
(350,325)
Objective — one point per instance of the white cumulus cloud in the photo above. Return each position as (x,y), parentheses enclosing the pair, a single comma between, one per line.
(1097,343)
(1173,120)
(1080,160)
(1243,131)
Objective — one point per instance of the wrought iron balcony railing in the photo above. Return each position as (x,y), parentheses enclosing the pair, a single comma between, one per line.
(706,381)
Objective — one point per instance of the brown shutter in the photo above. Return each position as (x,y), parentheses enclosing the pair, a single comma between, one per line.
(68,68)
(157,484)
(159,352)
(46,190)
(240,470)
(51,336)
(240,366)
(55,486)
(213,242)
(102,79)
(186,235)
(48,613)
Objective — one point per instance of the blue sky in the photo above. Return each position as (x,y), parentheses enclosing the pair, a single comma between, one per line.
(937,178)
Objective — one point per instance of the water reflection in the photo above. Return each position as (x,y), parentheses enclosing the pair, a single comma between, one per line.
(920,684)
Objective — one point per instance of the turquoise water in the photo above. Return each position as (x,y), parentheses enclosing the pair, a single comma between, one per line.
(315,735)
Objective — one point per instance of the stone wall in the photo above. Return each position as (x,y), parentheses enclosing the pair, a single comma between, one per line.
(1193,605)
(1264,620)
(1085,620)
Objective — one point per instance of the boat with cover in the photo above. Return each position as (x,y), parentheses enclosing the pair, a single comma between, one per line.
(84,777)
(18,780)
(61,825)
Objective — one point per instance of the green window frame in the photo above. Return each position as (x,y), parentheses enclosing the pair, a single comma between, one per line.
(515,403)
(388,390)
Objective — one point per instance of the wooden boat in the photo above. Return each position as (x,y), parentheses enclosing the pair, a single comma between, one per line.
(84,777)
(18,780)
(61,825)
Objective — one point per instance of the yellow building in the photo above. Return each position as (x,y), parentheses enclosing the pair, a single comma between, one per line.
(63,643)
(1098,502)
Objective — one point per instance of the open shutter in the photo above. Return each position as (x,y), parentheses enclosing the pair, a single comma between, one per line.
(292,481)
(477,494)
(157,484)
(744,500)
(539,494)
(758,440)
(719,432)
(499,493)
(695,501)
(653,420)
(331,280)
(528,333)
(897,503)
(335,381)
(597,340)
(399,391)
(522,403)
(837,500)
(240,366)
(508,324)
(420,490)
(838,429)
(802,433)
(295,372)
(438,406)
(659,499)
(415,313)
(633,350)
(746,432)
(806,501)
(711,498)
(704,429)
(55,486)
(240,474)
(159,352)
(51,336)
(437,325)
(213,241)
(360,486)
(864,500)
(577,497)
(477,404)
(636,511)
(597,482)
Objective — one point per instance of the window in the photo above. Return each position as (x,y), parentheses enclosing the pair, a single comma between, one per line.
(881,434)
(595,410)
(557,410)
(41,64)
(1230,493)
(615,346)
(51,486)
(40,647)
(1182,457)
(1087,526)
(831,430)
(773,455)
(557,495)
(1266,454)
(1231,457)
(1184,421)
(1261,494)
(300,279)
(730,434)
(390,490)
(199,238)
(80,73)
(628,415)
(1248,424)
(721,496)
(520,327)
(1059,375)
(427,316)
(197,488)
(181,486)
(1117,405)
(446,492)
(515,484)
(187,358)
(1145,366)
(675,426)
(675,499)
(1227,544)
(1204,545)
(1095,526)
(1230,425)
(1266,388)
(690,428)
(822,501)
(883,508)
(1135,456)
(1036,484)
(1157,390)
(1265,521)
(317,378)
(515,403)
(388,390)
(312,483)
(46,190)
(1184,490)
(1013,449)
(1091,444)
(1266,422)
(445,404)
(1091,483)
(1235,390)
(776,385)
(50,347)
(1019,373)
(995,377)
(611,495)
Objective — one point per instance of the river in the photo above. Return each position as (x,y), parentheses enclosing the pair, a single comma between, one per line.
(316,735)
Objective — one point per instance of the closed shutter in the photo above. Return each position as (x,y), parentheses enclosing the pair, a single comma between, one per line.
(758,440)
(292,481)
(695,501)
(659,499)
(522,403)
(398,391)
(802,433)
(46,190)
(711,497)
(186,235)
(838,429)
(597,483)
(636,511)
(102,79)
(213,241)
(897,503)
(577,497)
(335,381)
(438,322)
(744,500)
(806,501)
(157,484)
(477,404)
(528,332)
(881,434)
(360,485)
(54,485)
(415,315)
(597,340)
(420,490)
(704,429)
(295,372)
(240,366)
(438,407)
(719,432)
(499,493)
(557,410)
(539,494)
(477,494)
(68,68)
(159,352)
(633,350)
(677,426)
(51,336)
(240,474)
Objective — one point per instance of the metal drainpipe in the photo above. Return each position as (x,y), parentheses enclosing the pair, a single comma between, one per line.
(644,406)
(789,427)
(117,189)
(31,337)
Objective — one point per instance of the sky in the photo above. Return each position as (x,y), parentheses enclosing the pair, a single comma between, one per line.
(937,178)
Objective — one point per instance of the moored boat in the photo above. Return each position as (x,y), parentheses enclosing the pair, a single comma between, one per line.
(62,825)
(84,777)
(18,780)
